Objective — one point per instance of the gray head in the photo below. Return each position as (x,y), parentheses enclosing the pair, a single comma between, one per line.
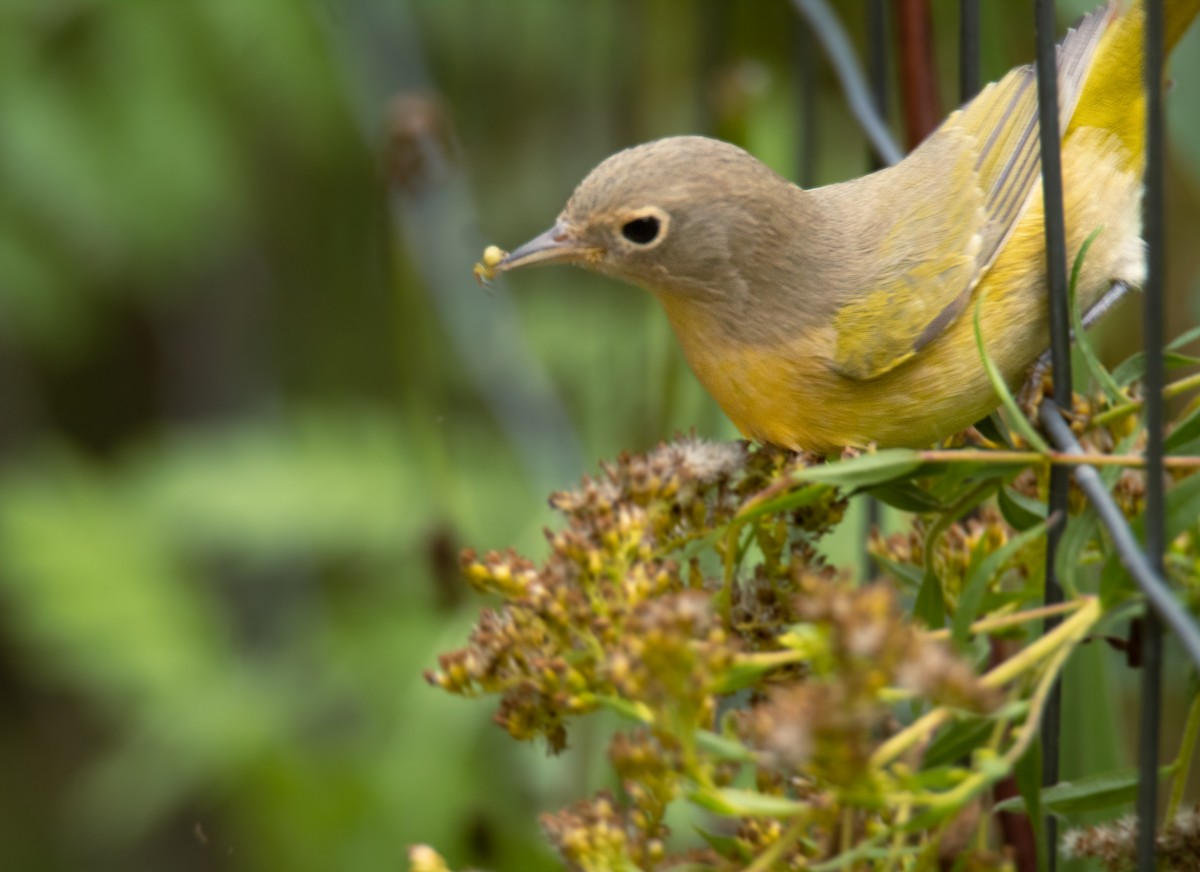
(675,215)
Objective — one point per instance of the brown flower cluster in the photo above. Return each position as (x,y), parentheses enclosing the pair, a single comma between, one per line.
(960,546)
(676,579)
(1114,843)
(615,614)
(596,835)
(826,727)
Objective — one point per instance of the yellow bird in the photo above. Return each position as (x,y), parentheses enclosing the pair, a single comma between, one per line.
(841,316)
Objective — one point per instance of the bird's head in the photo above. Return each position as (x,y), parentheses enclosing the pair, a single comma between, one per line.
(680,215)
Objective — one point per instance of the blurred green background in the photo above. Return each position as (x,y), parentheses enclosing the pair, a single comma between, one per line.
(252,403)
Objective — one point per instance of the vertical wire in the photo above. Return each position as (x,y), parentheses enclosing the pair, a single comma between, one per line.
(805,68)
(877,63)
(877,78)
(1153,325)
(1060,355)
(968,49)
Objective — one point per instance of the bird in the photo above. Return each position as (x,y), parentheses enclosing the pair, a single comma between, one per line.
(841,317)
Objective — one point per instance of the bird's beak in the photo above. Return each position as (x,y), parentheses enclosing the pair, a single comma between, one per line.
(556,245)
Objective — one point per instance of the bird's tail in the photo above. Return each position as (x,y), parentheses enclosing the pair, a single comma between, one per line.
(1113,96)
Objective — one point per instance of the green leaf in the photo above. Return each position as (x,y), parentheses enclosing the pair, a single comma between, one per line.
(1107,383)
(957,742)
(866,469)
(1020,511)
(1181,511)
(723,747)
(930,607)
(1090,793)
(1028,776)
(907,574)
(635,711)
(790,501)
(1134,367)
(978,577)
(1185,432)
(1184,339)
(733,802)
(1080,532)
(727,846)
(992,427)
(907,497)
(1019,421)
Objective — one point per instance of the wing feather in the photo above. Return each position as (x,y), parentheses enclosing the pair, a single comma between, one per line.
(953,203)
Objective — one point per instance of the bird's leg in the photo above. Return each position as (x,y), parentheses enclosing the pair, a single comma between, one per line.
(1031,391)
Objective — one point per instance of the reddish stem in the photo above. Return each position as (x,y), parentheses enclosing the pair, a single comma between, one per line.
(922,105)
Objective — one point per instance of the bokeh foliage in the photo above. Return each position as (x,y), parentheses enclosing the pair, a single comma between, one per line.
(241,437)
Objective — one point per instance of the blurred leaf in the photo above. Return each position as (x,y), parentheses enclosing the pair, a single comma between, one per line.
(1134,368)
(1028,776)
(865,469)
(907,497)
(734,802)
(980,575)
(907,574)
(333,482)
(1082,341)
(1020,511)
(957,742)
(1098,792)
(1184,433)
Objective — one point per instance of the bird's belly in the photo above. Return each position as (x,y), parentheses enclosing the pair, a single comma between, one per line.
(794,400)
(788,395)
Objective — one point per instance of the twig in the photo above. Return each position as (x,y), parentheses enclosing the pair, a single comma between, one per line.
(1019,458)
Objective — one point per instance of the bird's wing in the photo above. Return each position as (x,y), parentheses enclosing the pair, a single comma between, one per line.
(943,213)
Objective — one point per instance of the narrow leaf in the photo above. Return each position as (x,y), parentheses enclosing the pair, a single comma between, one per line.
(905,573)
(930,607)
(1028,776)
(866,469)
(1020,511)
(787,502)
(907,497)
(734,802)
(723,747)
(1185,432)
(977,580)
(1019,421)
(1098,792)
(1107,383)
(1183,339)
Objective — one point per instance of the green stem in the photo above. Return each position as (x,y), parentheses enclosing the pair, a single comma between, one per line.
(1062,637)
(1134,406)
(1183,762)
(1027,458)
(767,859)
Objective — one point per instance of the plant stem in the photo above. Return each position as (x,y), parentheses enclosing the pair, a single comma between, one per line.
(1183,762)
(767,859)
(1062,637)
(1020,458)
(1134,406)
(987,625)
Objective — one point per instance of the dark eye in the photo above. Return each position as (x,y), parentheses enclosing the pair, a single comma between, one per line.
(643,231)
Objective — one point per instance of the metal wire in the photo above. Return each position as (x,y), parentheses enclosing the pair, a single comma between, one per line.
(968,49)
(877,76)
(1141,566)
(833,39)
(805,71)
(1060,356)
(1153,325)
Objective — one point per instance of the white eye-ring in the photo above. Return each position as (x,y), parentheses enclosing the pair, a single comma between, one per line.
(646,227)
